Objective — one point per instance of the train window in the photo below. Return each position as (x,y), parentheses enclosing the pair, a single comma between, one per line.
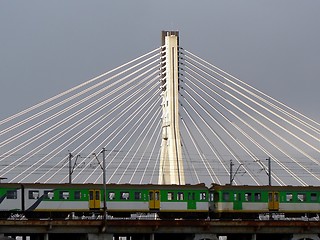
(112,195)
(12,194)
(124,195)
(289,197)
(191,196)
(203,196)
(170,196)
(237,196)
(157,196)
(33,194)
(151,198)
(313,197)
(97,194)
(180,196)
(226,196)
(301,197)
(64,195)
(211,197)
(257,197)
(247,197)
(137,195)
(77,195)
(48,194)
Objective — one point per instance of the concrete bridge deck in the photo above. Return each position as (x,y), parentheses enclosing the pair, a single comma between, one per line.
(235,228)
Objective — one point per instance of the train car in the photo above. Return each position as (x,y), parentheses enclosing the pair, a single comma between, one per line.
(122,200)
(168,201)
(250,201)
(56,200)
(10,198)
(183,201)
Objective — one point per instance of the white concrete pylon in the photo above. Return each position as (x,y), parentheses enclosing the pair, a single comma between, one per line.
(171,162)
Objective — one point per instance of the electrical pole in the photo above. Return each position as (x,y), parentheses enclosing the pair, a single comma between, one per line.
(104,177)
(70,168)
(104,184)
(231,173)
(232,176)
(269,169)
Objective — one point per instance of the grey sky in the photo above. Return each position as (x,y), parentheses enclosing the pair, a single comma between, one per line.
(49,46)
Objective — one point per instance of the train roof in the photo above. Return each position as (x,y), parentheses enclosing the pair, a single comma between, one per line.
(100,186)
(264,187)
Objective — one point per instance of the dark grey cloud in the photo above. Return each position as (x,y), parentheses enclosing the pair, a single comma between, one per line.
(49,46)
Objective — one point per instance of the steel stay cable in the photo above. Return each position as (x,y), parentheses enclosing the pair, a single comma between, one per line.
(155,117)
(122,126)
(211,148)
(130,106)
(88,127)
(235,125)
(300,180)
(193,142)
(190,162)
(237,79)
(265,101)
(248,106)
(218,136)
(285,168)
(263,115)
(72,106)
(116,118)
(70,98)
(155,165)
(29,141)
(226,108)
(141,142)
(205,162)
(219,124)
(136,128)
(151,153)
(95,122)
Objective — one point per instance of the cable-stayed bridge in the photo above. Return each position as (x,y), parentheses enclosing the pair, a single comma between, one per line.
(221,118)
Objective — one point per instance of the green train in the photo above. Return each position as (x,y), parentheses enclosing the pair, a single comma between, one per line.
(167,201)
(252,201)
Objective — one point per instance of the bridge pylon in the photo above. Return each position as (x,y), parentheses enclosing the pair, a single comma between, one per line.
(171,163)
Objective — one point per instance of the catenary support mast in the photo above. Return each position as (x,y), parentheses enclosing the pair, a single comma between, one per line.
(171,165)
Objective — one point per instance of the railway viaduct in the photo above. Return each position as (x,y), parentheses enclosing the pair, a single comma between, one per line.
(133,229)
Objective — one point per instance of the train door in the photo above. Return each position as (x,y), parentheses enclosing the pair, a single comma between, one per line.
(94,199)
(154,199)
(192,203)
(237,202)
(273,201)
